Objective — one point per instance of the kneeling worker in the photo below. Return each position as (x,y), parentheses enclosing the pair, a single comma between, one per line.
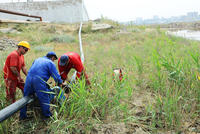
(36,82)
(71,60)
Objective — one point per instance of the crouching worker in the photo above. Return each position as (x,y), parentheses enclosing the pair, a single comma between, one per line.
(13,65)
(71,60)
(36,83)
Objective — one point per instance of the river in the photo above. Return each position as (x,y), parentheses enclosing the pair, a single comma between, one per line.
(188,34)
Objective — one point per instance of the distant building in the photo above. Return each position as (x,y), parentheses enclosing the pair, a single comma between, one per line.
(156,17)
(139,20)
(192,14)
(70,11)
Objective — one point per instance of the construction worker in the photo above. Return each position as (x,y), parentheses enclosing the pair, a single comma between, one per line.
(71,60)
(13,65)
(36,83)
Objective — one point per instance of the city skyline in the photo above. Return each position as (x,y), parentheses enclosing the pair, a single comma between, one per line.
(189,17)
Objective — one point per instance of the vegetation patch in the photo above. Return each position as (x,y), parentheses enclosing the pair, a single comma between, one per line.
(159,92)
(62,39)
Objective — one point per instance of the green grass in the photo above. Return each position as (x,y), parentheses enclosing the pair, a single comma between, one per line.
(152,63)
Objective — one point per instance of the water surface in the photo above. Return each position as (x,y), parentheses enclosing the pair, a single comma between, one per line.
(188,34)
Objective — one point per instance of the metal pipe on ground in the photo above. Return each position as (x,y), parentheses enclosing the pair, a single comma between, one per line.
(21,14)
(13,108)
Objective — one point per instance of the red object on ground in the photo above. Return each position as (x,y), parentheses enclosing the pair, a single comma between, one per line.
(117,75)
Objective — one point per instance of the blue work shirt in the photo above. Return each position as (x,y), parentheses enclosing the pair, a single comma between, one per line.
(44,68)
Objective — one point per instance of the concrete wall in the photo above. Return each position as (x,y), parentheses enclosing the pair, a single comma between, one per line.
(53,11)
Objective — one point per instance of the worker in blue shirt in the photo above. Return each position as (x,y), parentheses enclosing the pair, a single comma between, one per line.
(36,82)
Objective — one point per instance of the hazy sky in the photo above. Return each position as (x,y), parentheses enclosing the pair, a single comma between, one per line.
(125,10)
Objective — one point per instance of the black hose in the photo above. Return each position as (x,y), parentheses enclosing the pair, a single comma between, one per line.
(13,108)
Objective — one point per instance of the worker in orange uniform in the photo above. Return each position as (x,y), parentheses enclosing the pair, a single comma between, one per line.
(13,65)
(71,60)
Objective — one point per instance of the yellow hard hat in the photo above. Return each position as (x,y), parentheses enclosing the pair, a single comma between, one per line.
(24,44)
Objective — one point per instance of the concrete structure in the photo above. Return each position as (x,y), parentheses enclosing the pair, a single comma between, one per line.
(70,11)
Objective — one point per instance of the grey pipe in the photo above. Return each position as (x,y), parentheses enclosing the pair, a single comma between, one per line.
(13,108)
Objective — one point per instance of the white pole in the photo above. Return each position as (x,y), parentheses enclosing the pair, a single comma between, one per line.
(80,39)
(80,43)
